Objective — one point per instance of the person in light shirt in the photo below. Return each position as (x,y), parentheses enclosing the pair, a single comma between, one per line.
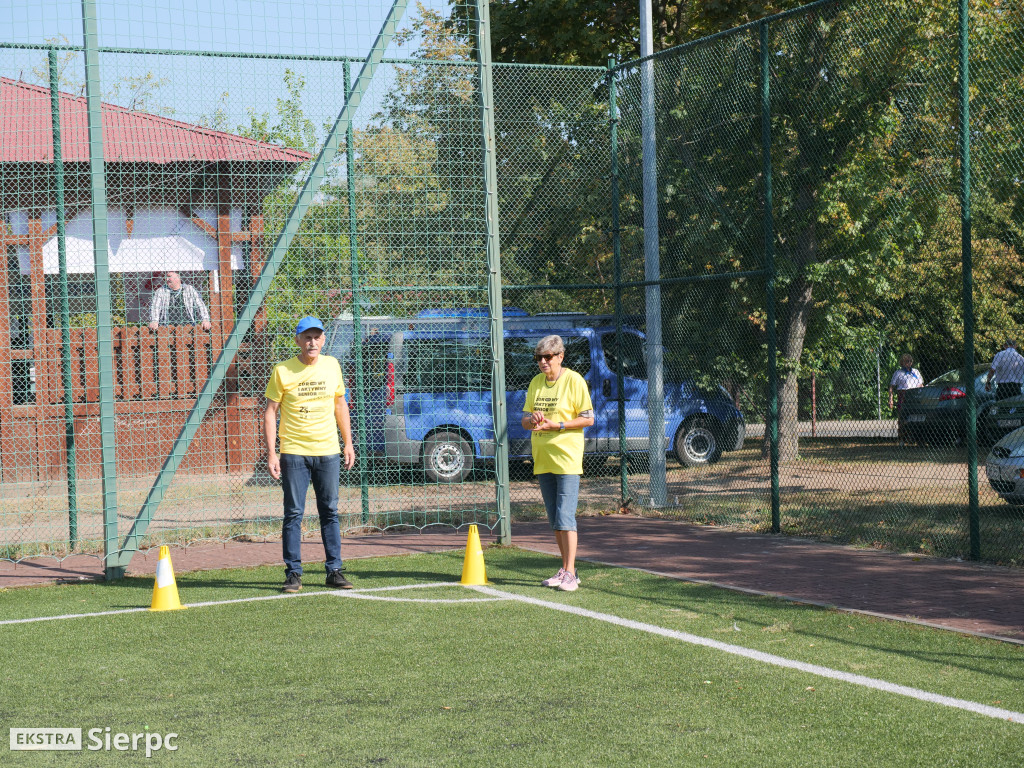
(557,408)
(906,377)
(308,393)
(1008,370)
(176,303)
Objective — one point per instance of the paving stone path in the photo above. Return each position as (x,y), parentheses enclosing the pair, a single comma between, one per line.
(963,596)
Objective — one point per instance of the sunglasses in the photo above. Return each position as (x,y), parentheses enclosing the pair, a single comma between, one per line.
(538,358)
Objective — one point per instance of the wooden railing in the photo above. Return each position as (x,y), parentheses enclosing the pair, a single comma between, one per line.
(171,362)
(157,377)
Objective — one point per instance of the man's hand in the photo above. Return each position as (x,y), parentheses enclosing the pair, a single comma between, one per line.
(545,424)
(349,455)
(206,325)
(154,326)
(274,465)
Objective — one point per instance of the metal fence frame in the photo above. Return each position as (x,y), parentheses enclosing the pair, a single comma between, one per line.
(117,554)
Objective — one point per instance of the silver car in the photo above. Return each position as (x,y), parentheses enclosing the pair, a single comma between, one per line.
(1005,467)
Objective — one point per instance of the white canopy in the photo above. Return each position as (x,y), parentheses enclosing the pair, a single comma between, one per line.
(162,239)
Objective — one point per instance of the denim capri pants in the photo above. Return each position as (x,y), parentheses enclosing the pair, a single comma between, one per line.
(561,494)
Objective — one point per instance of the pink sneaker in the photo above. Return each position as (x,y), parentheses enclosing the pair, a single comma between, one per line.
(570,582)
(555,580)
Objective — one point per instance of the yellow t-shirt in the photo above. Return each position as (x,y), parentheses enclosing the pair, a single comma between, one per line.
(560,453)
(306,394)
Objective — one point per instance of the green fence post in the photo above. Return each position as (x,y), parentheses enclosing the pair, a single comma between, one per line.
(104,344)
(769,265)
(357,312)
(495,303)
(613,130)
(970,428)
(65,309)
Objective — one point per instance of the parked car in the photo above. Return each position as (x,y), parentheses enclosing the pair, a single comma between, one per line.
(1005,467)
(936,412)
(428,391)
(1002,417)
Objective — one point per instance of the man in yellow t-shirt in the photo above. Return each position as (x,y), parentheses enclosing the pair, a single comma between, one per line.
(557,409)
(308,392)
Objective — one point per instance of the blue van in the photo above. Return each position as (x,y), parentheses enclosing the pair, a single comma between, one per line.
(427,385)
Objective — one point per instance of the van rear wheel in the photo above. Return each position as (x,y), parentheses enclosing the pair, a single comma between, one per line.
(696,444)
(447,458)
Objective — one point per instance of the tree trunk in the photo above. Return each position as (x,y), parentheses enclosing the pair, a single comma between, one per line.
(792,348)
(794,330)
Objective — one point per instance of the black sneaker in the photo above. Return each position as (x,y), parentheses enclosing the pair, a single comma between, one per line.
(336,580)
(293,583)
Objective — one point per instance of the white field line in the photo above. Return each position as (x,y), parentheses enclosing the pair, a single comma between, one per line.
(496,595)
(356,595)
(802,601)
(768,658)
(241,600)
(71,616)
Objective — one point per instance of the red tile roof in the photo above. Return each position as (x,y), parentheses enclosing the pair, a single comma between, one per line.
(26,134)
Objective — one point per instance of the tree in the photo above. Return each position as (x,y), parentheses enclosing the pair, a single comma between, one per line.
(865,189)
(586,31)
(134,92)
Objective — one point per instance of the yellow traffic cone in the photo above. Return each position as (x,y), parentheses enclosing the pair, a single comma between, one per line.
(474,572)
(165,589)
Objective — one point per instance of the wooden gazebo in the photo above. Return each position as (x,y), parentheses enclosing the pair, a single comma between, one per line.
(180,197)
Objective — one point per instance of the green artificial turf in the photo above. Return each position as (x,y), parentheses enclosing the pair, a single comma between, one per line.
(332,680)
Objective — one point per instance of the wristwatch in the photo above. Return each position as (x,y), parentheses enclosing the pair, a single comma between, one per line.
(561,426)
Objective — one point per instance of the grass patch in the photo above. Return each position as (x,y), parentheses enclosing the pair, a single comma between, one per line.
(323,680)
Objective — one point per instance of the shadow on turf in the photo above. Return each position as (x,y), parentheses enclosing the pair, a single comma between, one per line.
(715,601)
(967,661)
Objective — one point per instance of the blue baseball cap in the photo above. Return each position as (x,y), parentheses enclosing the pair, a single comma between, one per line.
(308,322)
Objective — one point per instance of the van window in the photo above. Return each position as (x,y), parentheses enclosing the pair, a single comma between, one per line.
(447,365)
(577,355)
(374,364)
(520,366)
(634,364)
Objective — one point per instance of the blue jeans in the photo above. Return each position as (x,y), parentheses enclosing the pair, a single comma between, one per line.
(561,493)
(296,474)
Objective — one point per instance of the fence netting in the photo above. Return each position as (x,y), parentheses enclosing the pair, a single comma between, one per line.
(800,175)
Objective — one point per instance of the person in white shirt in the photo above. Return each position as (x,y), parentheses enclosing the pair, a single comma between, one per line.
(906,377)
(1008,370)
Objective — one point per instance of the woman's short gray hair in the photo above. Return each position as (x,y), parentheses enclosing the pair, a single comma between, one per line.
(550,345)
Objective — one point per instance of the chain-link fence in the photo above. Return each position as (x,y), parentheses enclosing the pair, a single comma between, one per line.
(792,189)
(248,172)
(805,177)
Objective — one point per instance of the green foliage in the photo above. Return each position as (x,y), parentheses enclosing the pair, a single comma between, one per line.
(584,32)
(865,197)
(134,92)
(867,243)
(291,127)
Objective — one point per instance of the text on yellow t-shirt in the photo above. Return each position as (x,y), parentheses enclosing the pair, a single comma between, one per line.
(307,394)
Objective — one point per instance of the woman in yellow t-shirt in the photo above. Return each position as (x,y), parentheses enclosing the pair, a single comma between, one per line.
(557,409)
